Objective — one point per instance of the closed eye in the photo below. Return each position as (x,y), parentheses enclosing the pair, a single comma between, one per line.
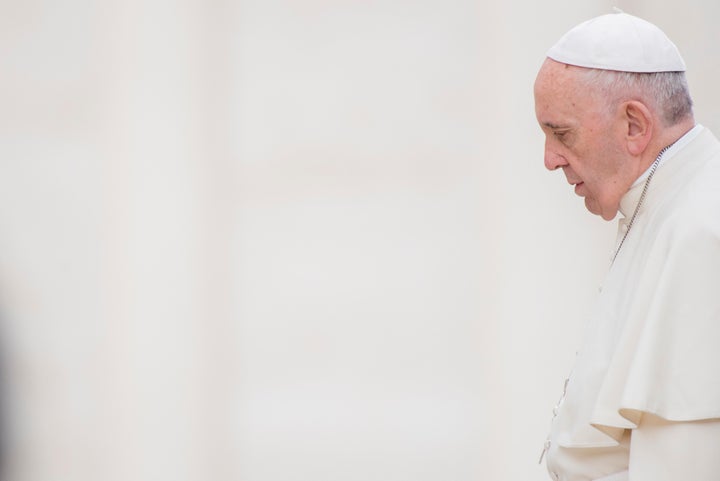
(562,136)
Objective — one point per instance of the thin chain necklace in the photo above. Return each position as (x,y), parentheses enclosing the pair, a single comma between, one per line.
(653,168)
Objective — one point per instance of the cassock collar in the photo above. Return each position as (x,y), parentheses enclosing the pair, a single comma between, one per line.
(631,198)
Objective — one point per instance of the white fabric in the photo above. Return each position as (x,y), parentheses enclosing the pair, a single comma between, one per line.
(677,146)
(621,476)
(618,41)
(667,451)
(652,343)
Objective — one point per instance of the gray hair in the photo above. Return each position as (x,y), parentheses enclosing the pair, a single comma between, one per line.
(667,92)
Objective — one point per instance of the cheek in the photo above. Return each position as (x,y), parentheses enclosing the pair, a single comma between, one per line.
(600,166)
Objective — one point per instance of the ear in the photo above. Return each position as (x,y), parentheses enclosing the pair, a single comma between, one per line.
(639,123)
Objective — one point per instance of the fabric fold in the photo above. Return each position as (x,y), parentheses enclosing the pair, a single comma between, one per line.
(666,358)
(651,344)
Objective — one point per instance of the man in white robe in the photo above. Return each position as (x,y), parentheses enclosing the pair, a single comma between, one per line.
(643,400)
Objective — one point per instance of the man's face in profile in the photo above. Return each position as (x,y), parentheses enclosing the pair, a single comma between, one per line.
(581,137)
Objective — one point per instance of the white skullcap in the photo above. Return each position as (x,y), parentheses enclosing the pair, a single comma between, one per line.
(621,42)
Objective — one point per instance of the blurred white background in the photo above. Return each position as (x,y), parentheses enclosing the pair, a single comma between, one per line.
(277,240)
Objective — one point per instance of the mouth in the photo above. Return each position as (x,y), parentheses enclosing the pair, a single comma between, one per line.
(578,187)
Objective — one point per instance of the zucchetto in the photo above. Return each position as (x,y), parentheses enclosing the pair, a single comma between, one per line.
(621,42)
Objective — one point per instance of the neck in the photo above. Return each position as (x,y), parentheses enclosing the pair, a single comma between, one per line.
(668,136)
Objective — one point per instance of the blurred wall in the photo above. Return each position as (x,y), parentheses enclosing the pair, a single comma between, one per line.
(291,240)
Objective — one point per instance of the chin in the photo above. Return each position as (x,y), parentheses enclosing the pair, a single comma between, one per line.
(592,206)
(609,215)
(595,208)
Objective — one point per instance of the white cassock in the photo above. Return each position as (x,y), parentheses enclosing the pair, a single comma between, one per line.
(643,401)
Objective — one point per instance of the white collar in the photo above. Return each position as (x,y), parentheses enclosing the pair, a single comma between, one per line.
(679,144)
(632,196)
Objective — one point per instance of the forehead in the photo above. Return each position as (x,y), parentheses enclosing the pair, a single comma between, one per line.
(560,96)
(556,79)
(552,72)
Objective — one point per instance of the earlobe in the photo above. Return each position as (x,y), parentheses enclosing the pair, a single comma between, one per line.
(639,123)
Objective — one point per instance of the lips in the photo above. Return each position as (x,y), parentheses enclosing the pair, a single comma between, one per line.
(578,187)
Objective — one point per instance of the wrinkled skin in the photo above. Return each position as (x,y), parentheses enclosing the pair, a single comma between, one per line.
(586,137)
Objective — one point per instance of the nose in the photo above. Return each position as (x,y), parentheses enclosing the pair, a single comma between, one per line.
(553,160)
